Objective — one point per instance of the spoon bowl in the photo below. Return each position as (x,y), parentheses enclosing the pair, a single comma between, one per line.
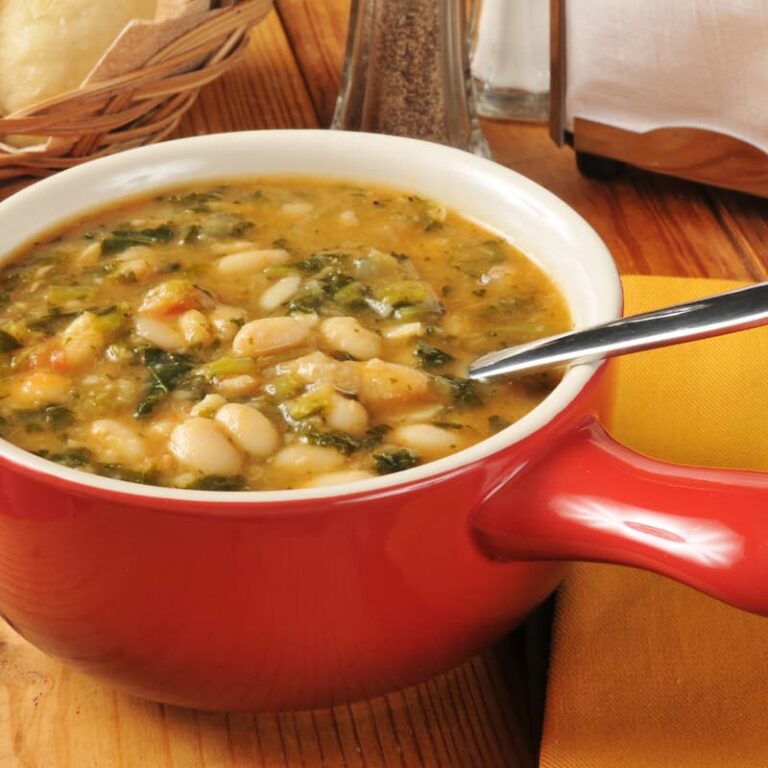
(723,313)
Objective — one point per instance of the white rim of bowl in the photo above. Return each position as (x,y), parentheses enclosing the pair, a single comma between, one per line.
(566,391)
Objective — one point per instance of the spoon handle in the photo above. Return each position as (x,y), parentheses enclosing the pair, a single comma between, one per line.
(722,313)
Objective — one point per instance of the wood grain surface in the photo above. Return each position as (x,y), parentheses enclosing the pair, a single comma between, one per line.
(478,714)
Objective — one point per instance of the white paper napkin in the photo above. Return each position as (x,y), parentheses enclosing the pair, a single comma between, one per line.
(669,63)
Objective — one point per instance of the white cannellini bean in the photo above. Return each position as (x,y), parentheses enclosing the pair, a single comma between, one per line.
(426,439)
(248,262)
(383,383)
(89,256)
(82,340)
(348,218)
(310,319)
(296,209)
(224,249)
(250,429)
(280,292)
(305,459)
(139,269)
(40,388)
(238,386)
(269,335)
(208,406)
(346,415)
(318,366)
(136,252)
(159,333)
(226,321)
(339,478)
(195,328)
(117,443)
(200,444)
(405,331)
(345,334)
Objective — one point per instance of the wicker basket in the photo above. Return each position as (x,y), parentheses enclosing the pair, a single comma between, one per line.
(136,94)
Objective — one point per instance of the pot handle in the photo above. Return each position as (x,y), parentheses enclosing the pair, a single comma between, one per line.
(593,499)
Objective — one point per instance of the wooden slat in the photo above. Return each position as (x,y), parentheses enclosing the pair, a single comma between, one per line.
(318,34)
(265,91)
(54,717)
(652,224)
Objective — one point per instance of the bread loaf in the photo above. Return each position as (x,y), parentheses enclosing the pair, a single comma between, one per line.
(48,47)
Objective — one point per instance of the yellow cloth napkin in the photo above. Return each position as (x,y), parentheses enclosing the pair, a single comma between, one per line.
(644,672)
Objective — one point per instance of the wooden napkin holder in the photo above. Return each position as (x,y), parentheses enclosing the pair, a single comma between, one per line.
(692,153)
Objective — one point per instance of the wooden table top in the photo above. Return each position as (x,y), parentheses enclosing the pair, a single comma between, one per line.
(478,714)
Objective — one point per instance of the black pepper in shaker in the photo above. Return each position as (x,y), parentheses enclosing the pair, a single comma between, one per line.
(406,73)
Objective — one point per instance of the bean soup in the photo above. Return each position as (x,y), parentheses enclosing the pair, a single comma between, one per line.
(268,334)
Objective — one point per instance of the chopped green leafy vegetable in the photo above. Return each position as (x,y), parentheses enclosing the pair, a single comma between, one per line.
(121,239)
(318,261)
(374,436)
(219,483)
(310,298)
(228,366)
(334,282)
(284,387)
(166,370)
(496,423)
(61,294)
(404,292)
(119,472)
(72,457)
(476,259)
(195,201)
(341,441)
(51,322)
(306,405)
(223,224)
(352,295)
(465,393)
(8,342)
(346,443)
(395,461)
(431,357)
(52,416)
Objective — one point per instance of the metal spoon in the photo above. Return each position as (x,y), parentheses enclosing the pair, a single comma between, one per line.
(722,313)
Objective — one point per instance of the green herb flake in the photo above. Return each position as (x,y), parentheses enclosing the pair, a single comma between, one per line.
(9,343)
(119,472)
(72,457)
(219,483)
(121,239)
(341,441)
(333,282)
(51,416)
(223,224)
(496,423)
(375,436)
(395,461)
(166,371)
(431,357)
(465,393)
(52,322)
(317,261)
(195,201)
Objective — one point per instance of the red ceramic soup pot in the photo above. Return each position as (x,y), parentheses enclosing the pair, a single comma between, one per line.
(295,599)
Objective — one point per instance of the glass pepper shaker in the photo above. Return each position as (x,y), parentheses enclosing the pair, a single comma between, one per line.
(406,73)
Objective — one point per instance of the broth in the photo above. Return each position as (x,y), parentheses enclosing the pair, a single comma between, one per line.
(265,334)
